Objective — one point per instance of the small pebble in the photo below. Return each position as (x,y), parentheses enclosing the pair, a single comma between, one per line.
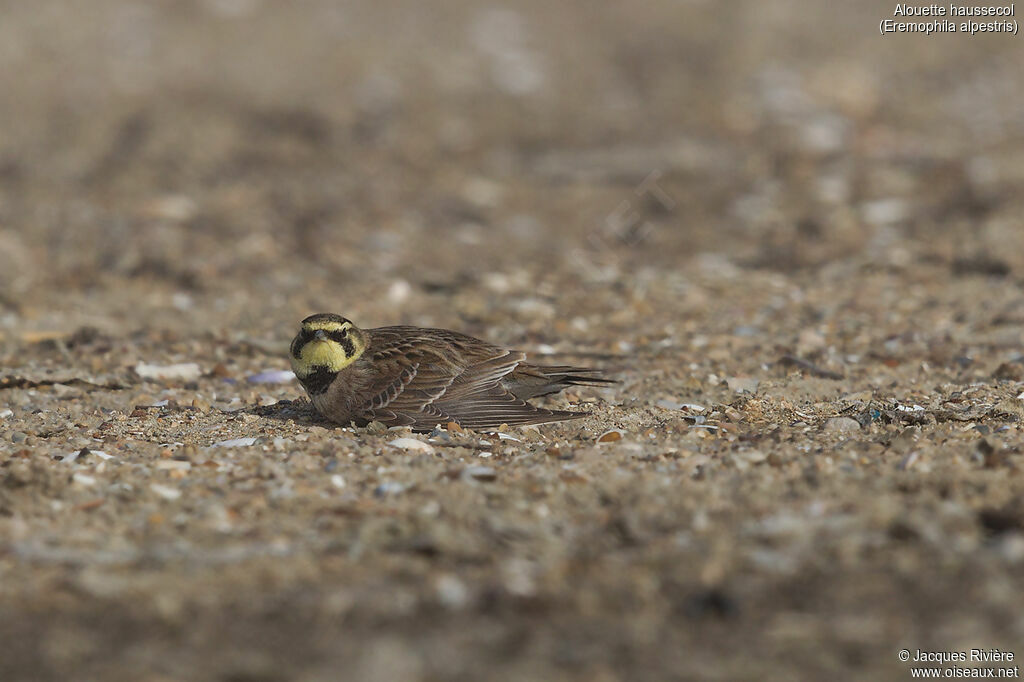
(674,405)
(338,481)
(841,425)
(1012,547)
(235,443)
(165,492)
(18,437)
(452,592)
(178,208)
(399,290)
(64,391)
(185,371)
(173,464)
(5,413)
(84,452)
(885,211)
(752,456)
(411,444)
(610,436)
(83,480)
(478,473)
(389,488)
(181,301)
(272,377)
(438,432)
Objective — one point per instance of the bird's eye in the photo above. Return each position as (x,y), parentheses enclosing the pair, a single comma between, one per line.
(339,336)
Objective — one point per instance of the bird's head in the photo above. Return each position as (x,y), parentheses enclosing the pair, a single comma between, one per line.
(326,343)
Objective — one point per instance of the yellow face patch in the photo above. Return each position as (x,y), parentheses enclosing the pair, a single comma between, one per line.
(328,345)
(325,353)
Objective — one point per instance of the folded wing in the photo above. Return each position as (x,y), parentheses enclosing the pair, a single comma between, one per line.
(464,380)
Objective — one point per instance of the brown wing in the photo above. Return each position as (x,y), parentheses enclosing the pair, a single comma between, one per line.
(431,376)
(529,381)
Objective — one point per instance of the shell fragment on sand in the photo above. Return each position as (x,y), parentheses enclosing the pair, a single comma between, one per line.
(610,436)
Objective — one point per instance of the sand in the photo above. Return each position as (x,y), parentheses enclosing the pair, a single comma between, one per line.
(796,243)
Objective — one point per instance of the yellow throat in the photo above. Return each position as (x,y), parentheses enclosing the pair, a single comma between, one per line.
(328,354)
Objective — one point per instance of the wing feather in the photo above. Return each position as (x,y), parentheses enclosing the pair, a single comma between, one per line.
(434,376)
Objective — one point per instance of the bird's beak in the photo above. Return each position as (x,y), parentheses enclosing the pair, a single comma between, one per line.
(320,335)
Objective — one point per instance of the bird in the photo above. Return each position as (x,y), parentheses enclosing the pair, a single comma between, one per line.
(422,377)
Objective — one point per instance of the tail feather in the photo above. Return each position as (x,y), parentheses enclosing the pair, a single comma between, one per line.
(538,415)
(531,381)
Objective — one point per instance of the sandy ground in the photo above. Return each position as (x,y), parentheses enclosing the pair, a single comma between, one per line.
(797,243)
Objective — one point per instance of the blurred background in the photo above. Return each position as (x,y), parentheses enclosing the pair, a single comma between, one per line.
(244,162)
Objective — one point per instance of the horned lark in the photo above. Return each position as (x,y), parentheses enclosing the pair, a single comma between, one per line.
(411,376)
